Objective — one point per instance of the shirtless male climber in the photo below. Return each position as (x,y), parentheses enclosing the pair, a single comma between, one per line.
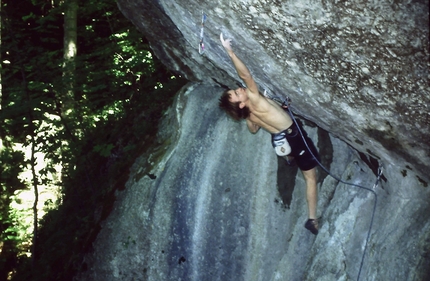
(260,112)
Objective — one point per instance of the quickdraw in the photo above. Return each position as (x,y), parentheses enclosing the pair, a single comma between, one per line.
(201,43)
(282,102)
(378,176)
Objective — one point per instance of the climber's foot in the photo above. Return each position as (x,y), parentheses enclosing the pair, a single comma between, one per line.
(312,226)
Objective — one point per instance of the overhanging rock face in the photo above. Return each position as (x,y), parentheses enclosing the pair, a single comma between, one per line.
(358,69)
(213,202)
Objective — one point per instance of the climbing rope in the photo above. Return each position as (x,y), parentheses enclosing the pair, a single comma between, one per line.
(286,103)
(201,43)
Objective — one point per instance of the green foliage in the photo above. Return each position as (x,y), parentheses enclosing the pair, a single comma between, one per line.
(104,149)
(11,163)
(121,92)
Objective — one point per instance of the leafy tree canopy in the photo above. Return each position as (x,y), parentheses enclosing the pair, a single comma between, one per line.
(120,92)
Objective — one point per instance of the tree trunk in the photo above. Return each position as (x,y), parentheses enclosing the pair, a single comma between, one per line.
(70,52)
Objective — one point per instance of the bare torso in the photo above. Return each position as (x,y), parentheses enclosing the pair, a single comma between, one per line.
(270,117)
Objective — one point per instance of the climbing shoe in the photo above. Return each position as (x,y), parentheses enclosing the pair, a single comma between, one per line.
(312,226)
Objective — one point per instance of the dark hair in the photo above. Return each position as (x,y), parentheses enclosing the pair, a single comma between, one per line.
(232,108)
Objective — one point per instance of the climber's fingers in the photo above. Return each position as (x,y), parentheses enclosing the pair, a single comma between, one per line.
(226,43)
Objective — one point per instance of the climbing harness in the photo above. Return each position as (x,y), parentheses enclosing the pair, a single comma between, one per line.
(286,104)
(201,43)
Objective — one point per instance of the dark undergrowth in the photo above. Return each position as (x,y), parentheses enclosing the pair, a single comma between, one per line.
(67,233)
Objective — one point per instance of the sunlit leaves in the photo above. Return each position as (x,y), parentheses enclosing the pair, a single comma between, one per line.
(120,93)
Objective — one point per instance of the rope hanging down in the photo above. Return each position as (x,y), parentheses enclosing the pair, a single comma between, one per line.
(287,102)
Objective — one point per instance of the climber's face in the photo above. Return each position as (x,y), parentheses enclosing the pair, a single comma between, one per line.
(239,95)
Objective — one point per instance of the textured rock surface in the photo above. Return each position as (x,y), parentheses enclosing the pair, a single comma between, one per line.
(223,208)
(358,69)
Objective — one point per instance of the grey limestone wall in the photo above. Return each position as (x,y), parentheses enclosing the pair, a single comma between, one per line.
(220,208)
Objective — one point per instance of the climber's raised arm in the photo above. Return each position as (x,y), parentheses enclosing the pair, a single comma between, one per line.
(241,68)
(260,112)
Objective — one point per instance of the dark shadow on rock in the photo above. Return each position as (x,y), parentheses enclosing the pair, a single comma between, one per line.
(325,149)
(286,176)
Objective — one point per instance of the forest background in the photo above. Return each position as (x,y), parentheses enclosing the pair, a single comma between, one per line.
(81,95)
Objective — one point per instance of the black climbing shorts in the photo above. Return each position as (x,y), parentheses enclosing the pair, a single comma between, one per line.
(299,150)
